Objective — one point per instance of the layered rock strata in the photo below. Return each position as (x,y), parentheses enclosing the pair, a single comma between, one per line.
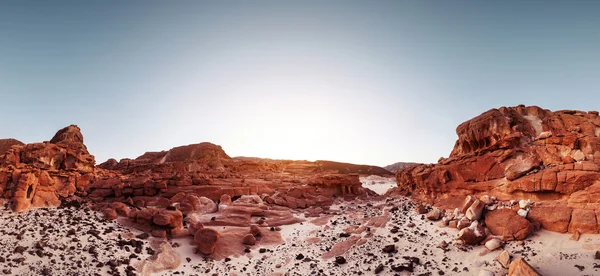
(522,152)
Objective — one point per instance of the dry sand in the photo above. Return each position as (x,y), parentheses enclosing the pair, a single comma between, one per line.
(357,230)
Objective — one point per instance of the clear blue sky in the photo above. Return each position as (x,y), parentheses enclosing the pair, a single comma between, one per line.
(372,82)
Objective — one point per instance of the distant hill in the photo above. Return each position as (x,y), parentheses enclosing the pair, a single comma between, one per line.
(396,167)
(321,166)
(352,168)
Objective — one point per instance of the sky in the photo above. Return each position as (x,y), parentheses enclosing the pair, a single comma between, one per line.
(368,82)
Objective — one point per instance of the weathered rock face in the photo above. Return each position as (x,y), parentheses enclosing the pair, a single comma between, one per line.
(508,224)
(519,153)
(6,144)
(194,175)
(40,174)
(193,178)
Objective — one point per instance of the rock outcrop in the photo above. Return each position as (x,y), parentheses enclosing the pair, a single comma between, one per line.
(6,144)
(205,170)
(41,174)
(520,152)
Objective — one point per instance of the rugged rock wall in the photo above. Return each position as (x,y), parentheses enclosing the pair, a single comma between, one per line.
(6,144)
(519,153)
(40,174)
(43,174)
(205,170)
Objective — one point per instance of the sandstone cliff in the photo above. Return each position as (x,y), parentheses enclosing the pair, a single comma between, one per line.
(44,174)
(41,174)
(520,153)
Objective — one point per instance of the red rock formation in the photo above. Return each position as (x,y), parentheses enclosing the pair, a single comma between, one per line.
(519,153)
(6,144)
(156,189)
(508,224)
(205,170)
(40,174)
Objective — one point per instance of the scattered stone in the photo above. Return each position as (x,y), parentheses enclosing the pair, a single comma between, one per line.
(493,244)
(504,258)
(434,214)
(520,267)
(340,260)
(475,211)
(420,209)
(390,248)
(206,239)
(249,240)
(473,234)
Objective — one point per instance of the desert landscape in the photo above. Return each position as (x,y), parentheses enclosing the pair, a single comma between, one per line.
(515,197)
(299,138)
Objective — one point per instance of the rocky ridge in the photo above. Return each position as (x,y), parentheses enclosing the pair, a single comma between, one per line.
(523,152)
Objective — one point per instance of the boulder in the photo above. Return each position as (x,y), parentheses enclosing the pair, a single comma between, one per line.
(508,224)
(206,239)
(110,213)
(519,267)
(493,244)
(169,218)
(469,200)
(249,239)
(434,214)
(473,234)
(475,211)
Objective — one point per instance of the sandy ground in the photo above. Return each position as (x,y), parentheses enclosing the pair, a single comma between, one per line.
(67,241)
(307,243)
(358,231)
(378,184)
